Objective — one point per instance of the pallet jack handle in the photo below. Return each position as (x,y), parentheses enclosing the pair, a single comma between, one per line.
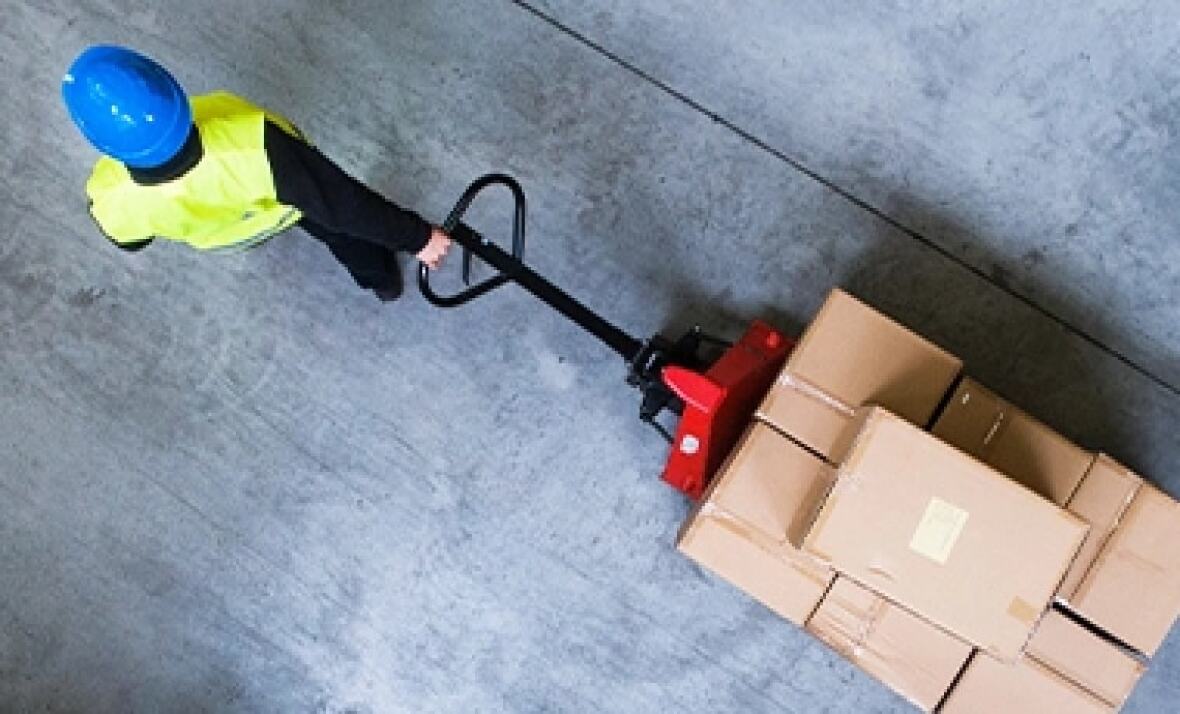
(511,268)
(714,396)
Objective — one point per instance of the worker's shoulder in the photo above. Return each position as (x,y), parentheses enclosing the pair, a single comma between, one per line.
(219,104)
(108,176)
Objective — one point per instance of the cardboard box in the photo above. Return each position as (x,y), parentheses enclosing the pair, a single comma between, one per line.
(1132,590)
(849,356)
(1100,501)
(762,498)
(1099,666)
(1025,686)
(773,484)
(901,650)
(1009,440)
(789,584)
(944,535)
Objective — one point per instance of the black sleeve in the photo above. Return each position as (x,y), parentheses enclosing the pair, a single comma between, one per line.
(324,193)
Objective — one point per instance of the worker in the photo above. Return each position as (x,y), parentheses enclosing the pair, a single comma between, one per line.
(220,173)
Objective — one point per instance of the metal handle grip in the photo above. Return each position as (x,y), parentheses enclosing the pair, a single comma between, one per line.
(471,241)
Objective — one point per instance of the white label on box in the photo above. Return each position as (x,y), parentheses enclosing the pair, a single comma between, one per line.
(938,530)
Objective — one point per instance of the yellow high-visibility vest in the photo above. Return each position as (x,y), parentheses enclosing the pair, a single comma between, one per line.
(227,200)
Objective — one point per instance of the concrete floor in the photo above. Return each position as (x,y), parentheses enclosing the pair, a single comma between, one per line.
(238,484)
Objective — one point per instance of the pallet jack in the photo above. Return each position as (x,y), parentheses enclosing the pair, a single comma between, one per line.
(712,385)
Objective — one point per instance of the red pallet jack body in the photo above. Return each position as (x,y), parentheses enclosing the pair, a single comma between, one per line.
(712,385)
(718,405)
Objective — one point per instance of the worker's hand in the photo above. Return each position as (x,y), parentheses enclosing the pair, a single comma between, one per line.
(436,248)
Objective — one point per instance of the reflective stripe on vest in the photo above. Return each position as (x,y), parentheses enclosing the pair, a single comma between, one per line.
(226,201)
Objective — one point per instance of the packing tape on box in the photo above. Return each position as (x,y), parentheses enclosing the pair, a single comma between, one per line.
(851,640)
(803,563)
(880,569)
(999,422)
(739,526)
(810,390)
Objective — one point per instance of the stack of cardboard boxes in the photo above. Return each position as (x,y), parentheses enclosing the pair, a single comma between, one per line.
(947,543)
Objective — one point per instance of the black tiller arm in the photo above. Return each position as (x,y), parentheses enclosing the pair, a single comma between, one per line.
(511,268)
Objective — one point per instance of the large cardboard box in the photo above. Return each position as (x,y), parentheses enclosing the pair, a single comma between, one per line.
(1099,666)
(849,356)
(1015,444)
(1025,686)
(944,535)
(1132,590)
(1100,500)
(742,530)
(901,650)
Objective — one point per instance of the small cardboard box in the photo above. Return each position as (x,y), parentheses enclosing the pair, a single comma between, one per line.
(742,530)
(1132,590)
(789,584)
(1100,500)
(1025,686)
(944,535)
(773,484)
(1012,442)
(901,650)
(1097,665)
(849,356)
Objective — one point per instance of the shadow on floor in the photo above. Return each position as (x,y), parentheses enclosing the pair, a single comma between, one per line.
(1015,349)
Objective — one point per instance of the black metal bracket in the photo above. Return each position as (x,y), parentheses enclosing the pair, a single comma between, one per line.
(646,372)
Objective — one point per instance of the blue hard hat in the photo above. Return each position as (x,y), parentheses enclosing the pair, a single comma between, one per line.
(127,105)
